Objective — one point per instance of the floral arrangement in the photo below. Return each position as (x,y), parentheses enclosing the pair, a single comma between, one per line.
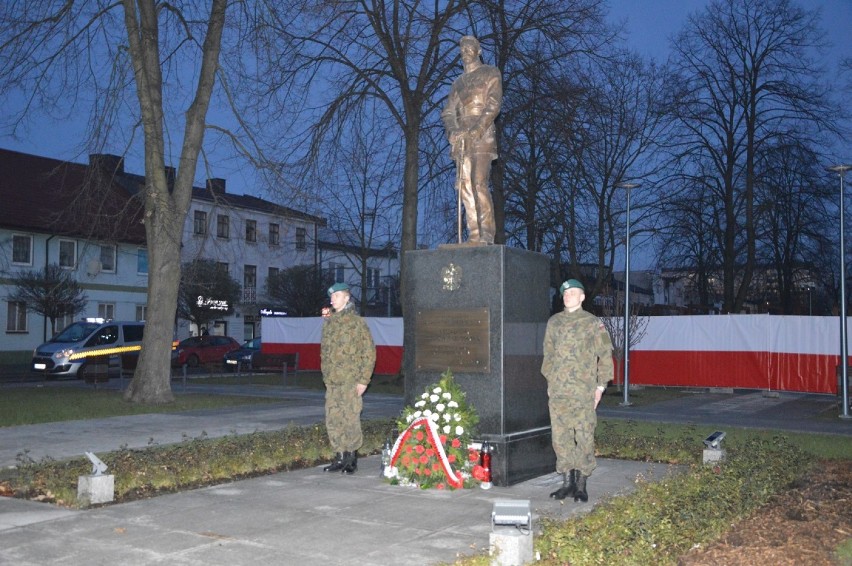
(432,450)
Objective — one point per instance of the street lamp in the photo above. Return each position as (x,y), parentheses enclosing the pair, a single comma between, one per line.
(626,362)
(844,356)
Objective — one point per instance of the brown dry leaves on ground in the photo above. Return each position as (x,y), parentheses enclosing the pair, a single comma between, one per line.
(803,525)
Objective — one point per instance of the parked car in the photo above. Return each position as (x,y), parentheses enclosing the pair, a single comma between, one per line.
(83,345)
(198,350)
(250,358)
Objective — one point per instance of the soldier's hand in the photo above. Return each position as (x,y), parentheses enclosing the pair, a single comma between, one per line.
(360,388)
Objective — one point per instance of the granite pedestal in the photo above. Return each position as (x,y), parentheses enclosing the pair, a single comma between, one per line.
(492,304)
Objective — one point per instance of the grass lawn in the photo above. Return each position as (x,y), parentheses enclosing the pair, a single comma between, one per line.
(391,384)
(33,405)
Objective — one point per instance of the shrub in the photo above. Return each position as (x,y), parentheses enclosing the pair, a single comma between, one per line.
(664,519)
(195,462)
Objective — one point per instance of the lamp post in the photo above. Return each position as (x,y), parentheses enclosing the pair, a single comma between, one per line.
(844,356)
(626,361)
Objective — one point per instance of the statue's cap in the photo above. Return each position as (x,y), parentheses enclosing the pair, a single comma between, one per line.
(469,39)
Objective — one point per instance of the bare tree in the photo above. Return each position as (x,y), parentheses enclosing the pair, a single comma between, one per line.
(612,316)
(58,51)
(609,131)
(793,221)
(745,75)
(52,292)
(363,196)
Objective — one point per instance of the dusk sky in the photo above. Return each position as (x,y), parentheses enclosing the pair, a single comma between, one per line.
(649,24)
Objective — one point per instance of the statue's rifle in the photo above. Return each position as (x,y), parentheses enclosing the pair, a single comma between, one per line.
(458,155)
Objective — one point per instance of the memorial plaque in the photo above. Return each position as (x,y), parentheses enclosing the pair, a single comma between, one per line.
(456,339)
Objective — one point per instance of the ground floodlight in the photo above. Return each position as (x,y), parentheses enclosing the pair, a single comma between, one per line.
(512,513)
(714,440)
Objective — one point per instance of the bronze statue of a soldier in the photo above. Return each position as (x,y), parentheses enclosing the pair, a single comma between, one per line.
(472,106)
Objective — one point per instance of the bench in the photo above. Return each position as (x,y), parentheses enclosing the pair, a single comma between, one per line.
(287,362)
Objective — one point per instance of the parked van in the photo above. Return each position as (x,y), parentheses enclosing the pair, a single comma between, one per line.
(86,343)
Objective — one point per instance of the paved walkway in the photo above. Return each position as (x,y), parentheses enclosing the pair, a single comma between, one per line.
(308,517)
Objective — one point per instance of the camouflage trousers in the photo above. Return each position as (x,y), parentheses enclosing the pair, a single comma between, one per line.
(343,417)
(573,434)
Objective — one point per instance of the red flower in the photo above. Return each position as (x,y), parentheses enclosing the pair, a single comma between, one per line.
(417,471)
(473,456)
(424,459)
(443,438)
(408,448)
(427,472)
(479,473)
(406,460)
(419,435)
(430,452)
(440,486)
(419,448)
(451,458)
(456,443)
(436,466)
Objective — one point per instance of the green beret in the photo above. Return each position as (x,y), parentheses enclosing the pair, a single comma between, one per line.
(337,287)
(571,284)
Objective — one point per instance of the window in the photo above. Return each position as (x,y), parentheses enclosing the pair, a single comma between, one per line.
(223,265)
(250,277)
(251,230)
(16,316)
(133,332)
(22,250)
(108,259)
(337,272)
(68,254)
(250,284)
(223,226)
(274,234)
(141,312)
(106,310)
(273,272)
(141,261)
(199,225)
(60,323)
(301,236)
(373,277)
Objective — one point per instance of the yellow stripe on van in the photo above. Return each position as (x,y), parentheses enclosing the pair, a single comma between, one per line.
(104,352)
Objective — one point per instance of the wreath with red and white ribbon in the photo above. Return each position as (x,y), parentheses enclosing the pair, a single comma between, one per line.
(454,479)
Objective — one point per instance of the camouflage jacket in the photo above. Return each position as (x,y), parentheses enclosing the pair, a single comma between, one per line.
(577,354)
(347,352)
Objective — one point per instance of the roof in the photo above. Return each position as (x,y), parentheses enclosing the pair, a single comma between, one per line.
(45,195)
(249,202)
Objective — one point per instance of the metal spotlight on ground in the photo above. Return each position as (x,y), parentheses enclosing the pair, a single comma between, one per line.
(511,532)
(713,451)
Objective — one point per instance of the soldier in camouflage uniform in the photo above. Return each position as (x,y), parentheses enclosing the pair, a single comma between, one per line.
(347,357)
(577,365)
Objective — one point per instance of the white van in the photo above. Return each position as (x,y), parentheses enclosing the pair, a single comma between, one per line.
(87,343)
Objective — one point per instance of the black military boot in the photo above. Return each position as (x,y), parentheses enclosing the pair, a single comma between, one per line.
(580,494)
(350,462)
(568,486)
(336,464)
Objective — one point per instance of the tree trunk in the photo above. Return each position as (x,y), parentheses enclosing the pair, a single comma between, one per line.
(165,210)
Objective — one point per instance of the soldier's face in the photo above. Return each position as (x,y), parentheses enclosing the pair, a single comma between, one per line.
(573,298)
(339,300)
